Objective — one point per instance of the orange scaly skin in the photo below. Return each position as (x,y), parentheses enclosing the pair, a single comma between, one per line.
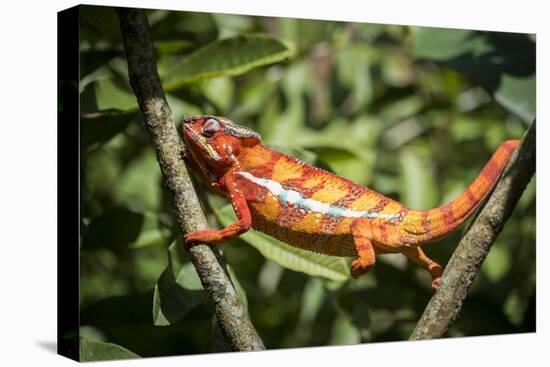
(316,210)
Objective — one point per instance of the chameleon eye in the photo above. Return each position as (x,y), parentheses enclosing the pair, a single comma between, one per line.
(211,126)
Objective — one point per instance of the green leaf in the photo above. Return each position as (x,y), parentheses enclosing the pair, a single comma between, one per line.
(153,232)
(92,333)
(231,56)
(502,63)
(330,267)
(118,229)
(114,94)
(100,128)
(418,188)
(99,25)
(173,46)
(397,69)
(312,300)
(182,26)
(518,95)
(219,91)
(344,332)
(114,229)
(464,128)
(91,60)
(100,351)
(304,33)
(178,290)
(514,307)
(442,44)
(232,24)
(402,108)
(353,70)
(138,186)
(497,263)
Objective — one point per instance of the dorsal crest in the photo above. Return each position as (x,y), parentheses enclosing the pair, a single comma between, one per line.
(238,130)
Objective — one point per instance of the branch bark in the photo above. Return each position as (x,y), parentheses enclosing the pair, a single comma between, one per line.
(145,82)
(446,304)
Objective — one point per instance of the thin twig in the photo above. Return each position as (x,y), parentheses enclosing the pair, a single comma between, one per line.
(446,304)
(145,81)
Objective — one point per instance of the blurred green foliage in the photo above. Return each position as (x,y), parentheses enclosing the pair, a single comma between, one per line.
(413,113)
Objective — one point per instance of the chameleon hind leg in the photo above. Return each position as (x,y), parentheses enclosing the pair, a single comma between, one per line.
(416,255)
(366,258)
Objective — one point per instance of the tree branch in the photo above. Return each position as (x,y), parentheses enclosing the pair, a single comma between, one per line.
(446,304)
(145,82)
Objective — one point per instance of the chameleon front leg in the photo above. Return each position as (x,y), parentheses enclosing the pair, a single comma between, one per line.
(416,255)
(233,230)
(360,230)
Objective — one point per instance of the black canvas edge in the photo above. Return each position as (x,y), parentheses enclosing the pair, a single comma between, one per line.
(68,180)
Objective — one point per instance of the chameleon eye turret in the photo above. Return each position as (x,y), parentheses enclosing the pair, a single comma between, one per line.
(211,126)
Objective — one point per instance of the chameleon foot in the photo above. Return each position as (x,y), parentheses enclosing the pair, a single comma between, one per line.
(359,267)
(435,283)
(436,271)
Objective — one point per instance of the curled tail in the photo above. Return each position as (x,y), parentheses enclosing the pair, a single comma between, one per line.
(430,225)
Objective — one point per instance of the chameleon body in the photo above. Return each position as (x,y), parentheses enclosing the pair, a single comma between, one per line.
(316,210)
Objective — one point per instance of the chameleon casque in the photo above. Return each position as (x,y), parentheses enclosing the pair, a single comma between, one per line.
(316,210)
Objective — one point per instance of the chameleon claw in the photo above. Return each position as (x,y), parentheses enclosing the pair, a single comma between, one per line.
(435,283)
(359,268)
(436,271)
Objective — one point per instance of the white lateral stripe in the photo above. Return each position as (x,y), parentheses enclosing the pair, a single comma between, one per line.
(295,198)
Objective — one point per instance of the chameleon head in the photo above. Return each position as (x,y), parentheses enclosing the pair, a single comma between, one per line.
(216,142)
